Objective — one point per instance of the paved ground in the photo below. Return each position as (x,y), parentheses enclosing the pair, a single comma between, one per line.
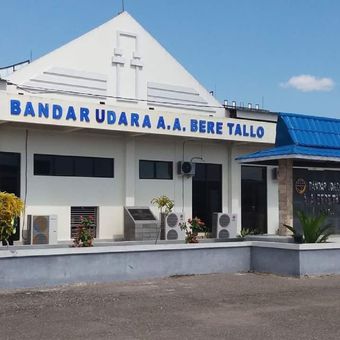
(233,306)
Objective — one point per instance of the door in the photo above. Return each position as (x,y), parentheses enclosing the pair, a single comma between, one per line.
(254,199)
(207,192)
(10,178)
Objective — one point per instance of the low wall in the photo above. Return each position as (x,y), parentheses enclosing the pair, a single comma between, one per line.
(41,267)
(24,268)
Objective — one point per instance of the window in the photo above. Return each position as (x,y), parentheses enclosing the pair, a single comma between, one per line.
(76,166)
(155,170)
(77,213)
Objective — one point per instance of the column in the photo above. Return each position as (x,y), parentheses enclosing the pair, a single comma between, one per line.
(130,173)
(285,177)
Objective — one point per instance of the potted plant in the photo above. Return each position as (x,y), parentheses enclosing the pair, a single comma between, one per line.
(314,228)
(84,236)
(165,206)
(192,227)
(11,208)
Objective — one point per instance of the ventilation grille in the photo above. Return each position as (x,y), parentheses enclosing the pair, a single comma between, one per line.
(40,230)
(77,213)
(223,234)
(172,235)
(172,220)
(224,220)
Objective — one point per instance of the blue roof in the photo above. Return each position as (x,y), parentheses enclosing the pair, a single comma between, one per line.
(302,137)
(305,130)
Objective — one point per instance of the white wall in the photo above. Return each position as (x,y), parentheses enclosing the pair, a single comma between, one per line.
(54,194)
(172,150)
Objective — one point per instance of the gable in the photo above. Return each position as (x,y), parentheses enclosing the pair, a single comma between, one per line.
(120,63)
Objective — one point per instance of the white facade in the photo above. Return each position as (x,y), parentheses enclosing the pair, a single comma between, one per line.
(119,67)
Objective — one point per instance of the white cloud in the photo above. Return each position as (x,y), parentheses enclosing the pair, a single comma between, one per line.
(308,83)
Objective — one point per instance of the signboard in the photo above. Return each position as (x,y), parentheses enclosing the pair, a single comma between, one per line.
(141,214)
(317,191)
(37,110)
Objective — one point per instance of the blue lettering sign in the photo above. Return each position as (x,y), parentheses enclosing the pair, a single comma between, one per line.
(146,122)
(100,116)
(260,132)
(219,128)
(43,110)
(193,125)
(29,111)
(71,114)
(57,111)
(238,130)
(161,123)
(202,126)
(15,107)
(134,119)
(245,133)
(230,128)
(211,127)
(84,114)
(177,125)
(111,117)
(123,119)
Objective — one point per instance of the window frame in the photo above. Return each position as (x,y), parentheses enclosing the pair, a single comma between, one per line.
(155,175)
(73,173)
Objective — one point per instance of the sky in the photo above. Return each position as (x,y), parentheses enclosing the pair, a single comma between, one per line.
(282,54)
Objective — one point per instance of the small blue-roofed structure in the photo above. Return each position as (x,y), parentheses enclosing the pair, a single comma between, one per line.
(301,137)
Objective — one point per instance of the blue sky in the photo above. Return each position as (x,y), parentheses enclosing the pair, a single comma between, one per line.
(283,52)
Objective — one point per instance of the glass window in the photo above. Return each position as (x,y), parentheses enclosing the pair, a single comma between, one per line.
(146,170)
(83,166)
(43,165)
(103,167)
(55,165)
(163,170)
(63,166)
(155,170)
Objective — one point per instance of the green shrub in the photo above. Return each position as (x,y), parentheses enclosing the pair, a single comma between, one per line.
(314,228)
(11,208)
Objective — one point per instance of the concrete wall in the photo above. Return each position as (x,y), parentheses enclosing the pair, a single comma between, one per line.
(38,268)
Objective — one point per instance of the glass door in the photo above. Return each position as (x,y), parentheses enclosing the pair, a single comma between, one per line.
(254,199)
(207,192)
(10,179)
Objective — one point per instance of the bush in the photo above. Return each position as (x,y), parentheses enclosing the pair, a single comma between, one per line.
(84,237)
(192,227)
(314,228)
(11,208)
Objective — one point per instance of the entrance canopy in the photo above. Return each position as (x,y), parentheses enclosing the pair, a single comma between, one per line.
(301,138)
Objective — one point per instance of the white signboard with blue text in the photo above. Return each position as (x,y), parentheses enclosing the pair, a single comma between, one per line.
(30,109)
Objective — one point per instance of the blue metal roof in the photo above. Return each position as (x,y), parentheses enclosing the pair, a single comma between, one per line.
(302,137)
(305,130)
(292,151)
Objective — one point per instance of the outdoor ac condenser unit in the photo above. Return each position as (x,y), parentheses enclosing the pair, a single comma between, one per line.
(173,223)
(224,226)
(186,168)
(42,229)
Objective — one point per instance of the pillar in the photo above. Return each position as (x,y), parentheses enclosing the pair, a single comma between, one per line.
(285,178)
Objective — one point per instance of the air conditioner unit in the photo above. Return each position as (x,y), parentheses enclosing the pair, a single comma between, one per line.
(186,168)
(42,229)
(224,226)
(173,222)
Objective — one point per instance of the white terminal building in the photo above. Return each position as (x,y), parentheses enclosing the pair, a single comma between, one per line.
(102,123)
